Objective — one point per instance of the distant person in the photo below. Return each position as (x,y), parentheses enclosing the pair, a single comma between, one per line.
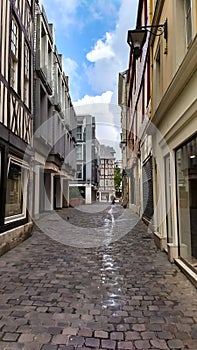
(113,200)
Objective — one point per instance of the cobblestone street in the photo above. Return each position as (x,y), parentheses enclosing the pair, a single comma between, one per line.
(100,282)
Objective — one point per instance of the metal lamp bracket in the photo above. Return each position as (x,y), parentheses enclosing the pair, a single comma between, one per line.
(162,28)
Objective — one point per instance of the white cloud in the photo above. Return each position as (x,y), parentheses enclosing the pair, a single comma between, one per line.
(105,97)
(102,49)
(110,56)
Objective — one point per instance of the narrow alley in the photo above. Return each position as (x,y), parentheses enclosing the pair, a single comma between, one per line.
(97,283)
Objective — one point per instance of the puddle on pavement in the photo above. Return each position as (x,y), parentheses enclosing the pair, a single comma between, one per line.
(110,278)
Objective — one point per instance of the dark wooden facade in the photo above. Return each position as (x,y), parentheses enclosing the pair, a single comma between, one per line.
(16,83)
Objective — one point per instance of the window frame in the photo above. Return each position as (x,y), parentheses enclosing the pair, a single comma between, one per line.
(14,43)
(24,185)
(77,172)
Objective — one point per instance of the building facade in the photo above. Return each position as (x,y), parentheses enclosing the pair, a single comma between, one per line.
(84,188)
(107,163)
(135,102)
(174,115)
(54,122)
(16,111)
(124,145)
(161,102)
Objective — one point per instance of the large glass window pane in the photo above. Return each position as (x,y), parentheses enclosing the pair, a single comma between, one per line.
(168,199)
(16,192)
(186,163)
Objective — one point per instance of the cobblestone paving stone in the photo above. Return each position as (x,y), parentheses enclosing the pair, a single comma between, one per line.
(122,295)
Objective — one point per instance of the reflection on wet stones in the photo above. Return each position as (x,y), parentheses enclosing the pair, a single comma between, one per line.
(93,220)
(88,229)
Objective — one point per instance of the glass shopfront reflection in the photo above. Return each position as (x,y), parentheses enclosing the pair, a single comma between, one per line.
(16,192)
(186,166)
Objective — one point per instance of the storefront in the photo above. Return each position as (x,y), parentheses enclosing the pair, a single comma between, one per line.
(186,171)
(16,199)
(16,190)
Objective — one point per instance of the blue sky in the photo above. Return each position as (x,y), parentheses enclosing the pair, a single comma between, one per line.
(91,35)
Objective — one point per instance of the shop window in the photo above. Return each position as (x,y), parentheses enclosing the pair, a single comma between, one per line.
(0,173)
(168,198)
(147,178)
(16,191)
(186,168)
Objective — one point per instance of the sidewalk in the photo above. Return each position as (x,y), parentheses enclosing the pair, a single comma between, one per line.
(56,294)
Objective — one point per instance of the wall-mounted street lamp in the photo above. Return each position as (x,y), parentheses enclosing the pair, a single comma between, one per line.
(136,38)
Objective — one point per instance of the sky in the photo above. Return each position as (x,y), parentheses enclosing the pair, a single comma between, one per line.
(91,35)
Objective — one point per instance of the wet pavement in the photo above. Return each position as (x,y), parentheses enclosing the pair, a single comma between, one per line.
(56,294)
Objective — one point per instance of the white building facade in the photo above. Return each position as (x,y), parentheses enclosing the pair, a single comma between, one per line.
(54,122)
(84,188)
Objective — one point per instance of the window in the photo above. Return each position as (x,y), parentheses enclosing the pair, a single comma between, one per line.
(28,22)
(188,20)
(26,74)
(59,86)
(157,76)
(26,53)
(79,174)
(17,4)
(16,191)
(79,152)
(79,132)
(14,54)
(148,81)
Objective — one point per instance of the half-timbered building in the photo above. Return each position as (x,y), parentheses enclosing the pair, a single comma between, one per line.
(107,163)
(16,82)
